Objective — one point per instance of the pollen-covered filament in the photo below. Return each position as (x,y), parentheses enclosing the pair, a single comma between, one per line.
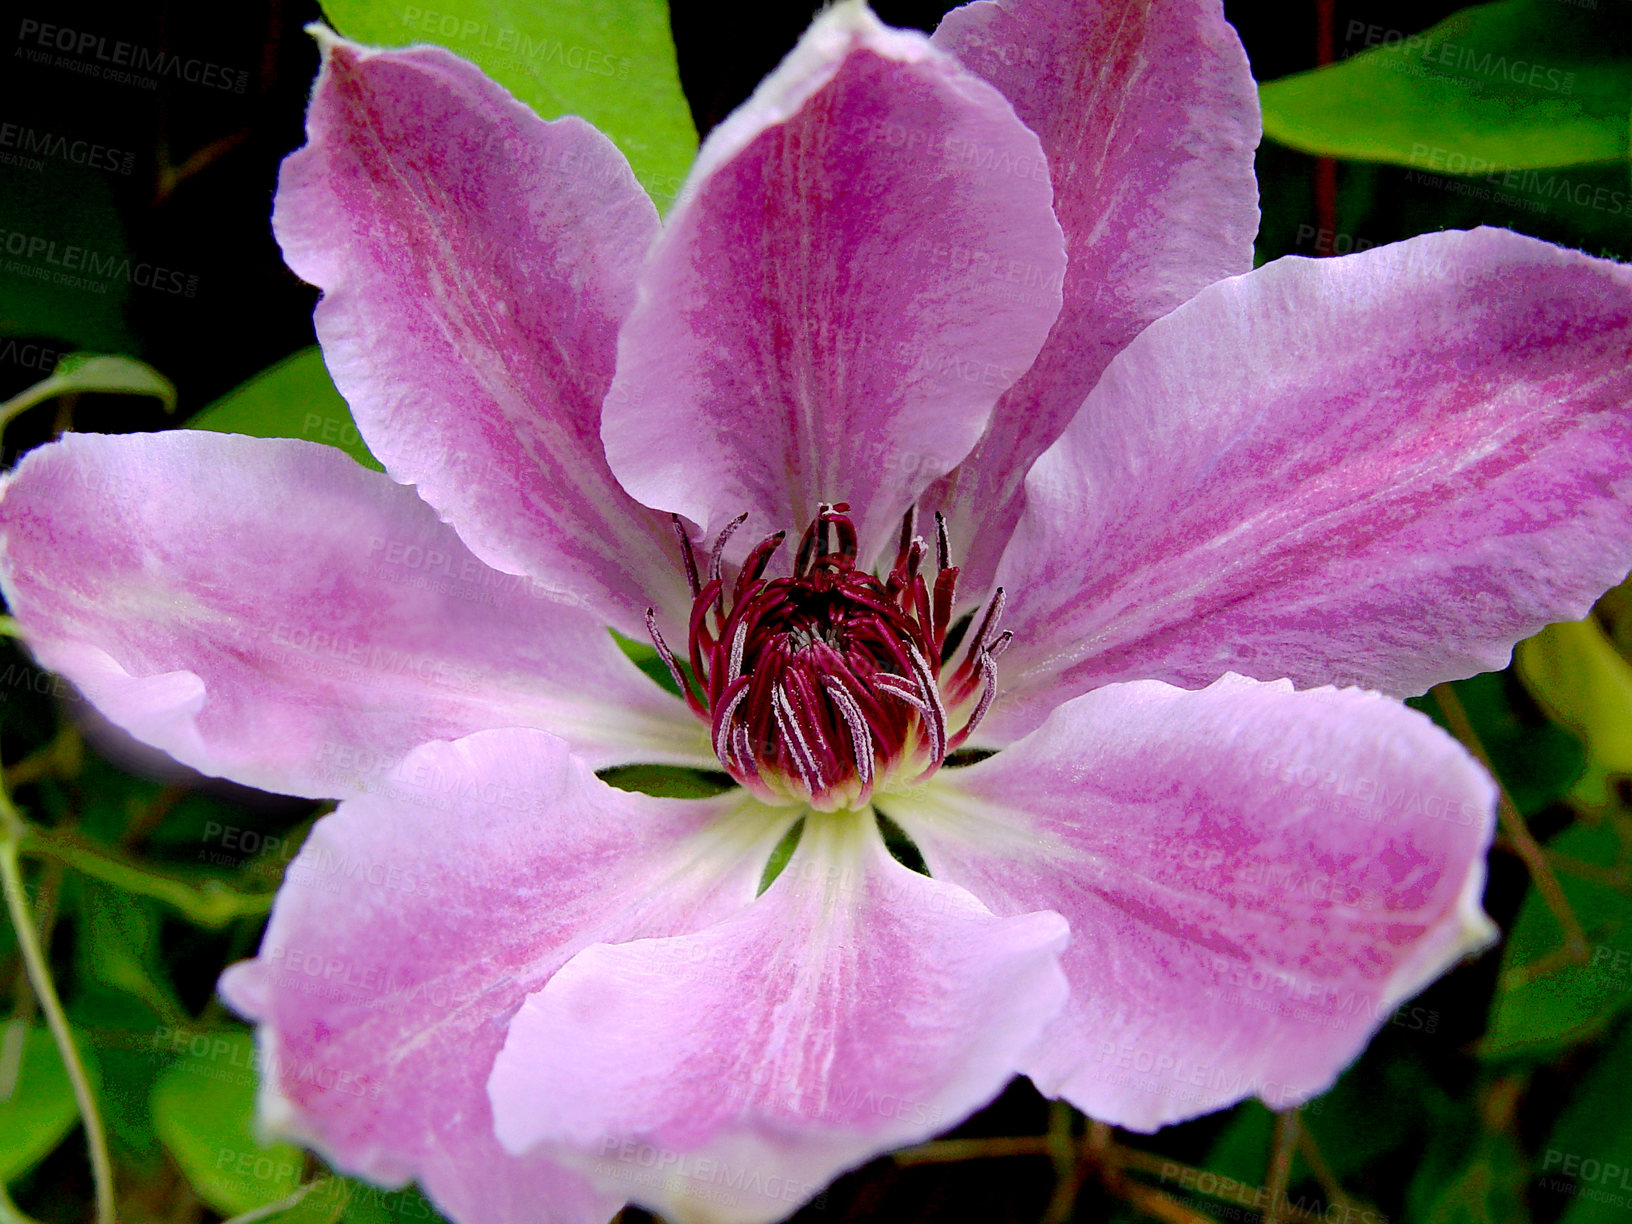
(825,685)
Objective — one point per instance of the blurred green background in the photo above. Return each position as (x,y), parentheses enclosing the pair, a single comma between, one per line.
(1500,1094)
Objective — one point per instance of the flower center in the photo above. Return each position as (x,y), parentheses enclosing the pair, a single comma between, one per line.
(825,685)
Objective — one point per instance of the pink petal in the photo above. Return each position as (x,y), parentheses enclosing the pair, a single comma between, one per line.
(268,611)
(1254,877)
(1380,470)
(827,316)
(475,264)
(413,924)
(1149,117)
(728,1075)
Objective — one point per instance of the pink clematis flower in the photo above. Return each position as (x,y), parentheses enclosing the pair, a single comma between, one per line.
(1002,274)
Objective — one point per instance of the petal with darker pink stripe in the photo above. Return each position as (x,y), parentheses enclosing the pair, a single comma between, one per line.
(476,263)
(1381,470)
(1149,117)
(417,918)
(268,611)
(826,316)
(1255,879)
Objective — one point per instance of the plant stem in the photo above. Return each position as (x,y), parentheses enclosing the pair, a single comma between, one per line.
(1336,1196)
(45,993)
(61,758)
(22,1015)
(1524,843)
(1279,1174)
(1159,1205)
(210,904)
(1068,1166)
(945,1150)
(287,1203)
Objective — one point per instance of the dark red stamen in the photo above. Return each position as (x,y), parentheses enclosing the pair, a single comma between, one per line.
(818,685)
(687,556)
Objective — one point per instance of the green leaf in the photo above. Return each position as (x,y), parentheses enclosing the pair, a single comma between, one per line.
(781,853)
(1488,1187)
(204,1110)
(1588,1156)
(610,61)
(1537,760)
(130,1061)
(1242,1151)
(117,947)
(667,781)
(113,374)
(644,656)
(366,1204)
(67,271)
(1521,84)
(1535,1013)
(328,1197)
(1575,673)
(295,398)
(36,1110)
(105,373)
(1384,1106)
(1615,608)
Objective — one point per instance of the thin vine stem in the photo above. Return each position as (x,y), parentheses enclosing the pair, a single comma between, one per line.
(1513,824)
(1279,1174)
(1069,1168)
(288,1203)
(209,904)
(45,994)
(941,1151)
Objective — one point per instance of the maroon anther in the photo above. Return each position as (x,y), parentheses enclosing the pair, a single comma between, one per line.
(820,686)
